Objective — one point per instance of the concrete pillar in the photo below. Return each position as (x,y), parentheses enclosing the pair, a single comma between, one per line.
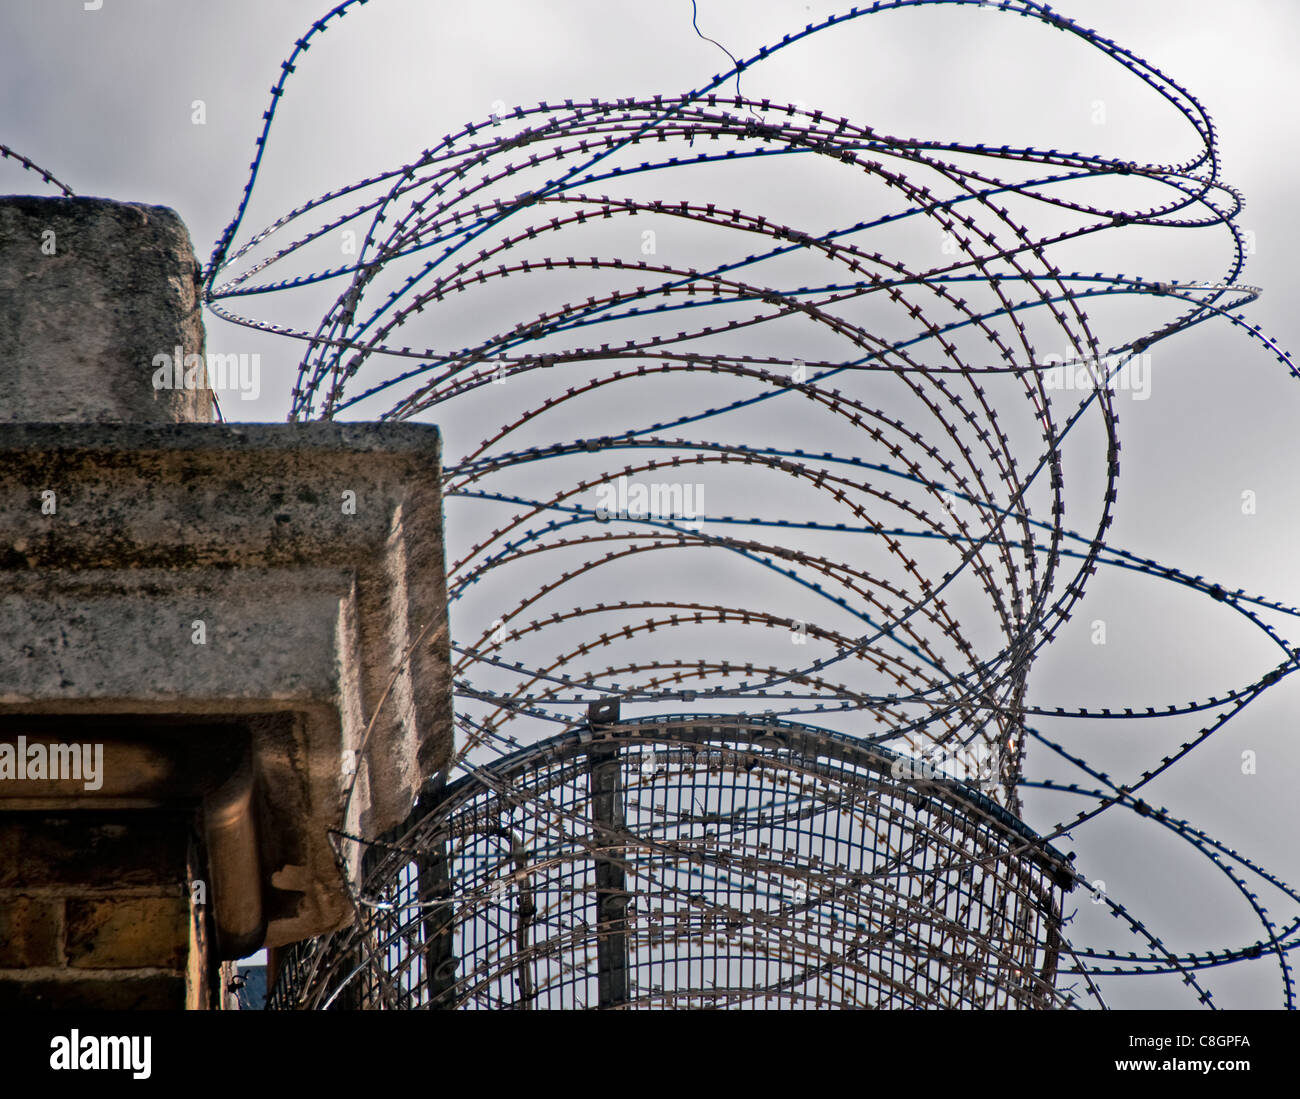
(246,620)
(91,291)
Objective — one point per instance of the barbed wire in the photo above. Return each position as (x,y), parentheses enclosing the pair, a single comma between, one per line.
(949,457)
(888,437)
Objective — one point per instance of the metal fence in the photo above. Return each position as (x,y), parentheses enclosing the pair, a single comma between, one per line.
(697,863)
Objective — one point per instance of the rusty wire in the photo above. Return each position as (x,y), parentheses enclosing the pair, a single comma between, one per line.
(891,552)
(27,165)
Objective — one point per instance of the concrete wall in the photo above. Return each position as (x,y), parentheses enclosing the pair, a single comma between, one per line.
(310,555)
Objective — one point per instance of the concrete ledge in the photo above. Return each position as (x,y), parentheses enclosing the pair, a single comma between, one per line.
(218,571)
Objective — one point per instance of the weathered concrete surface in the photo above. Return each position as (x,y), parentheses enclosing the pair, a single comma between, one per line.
(311,556)
(91,291)
(246,616)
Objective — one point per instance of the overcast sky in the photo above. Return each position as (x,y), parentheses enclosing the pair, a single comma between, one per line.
(106,100)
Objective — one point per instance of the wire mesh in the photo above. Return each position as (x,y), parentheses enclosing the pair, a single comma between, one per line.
(698,863)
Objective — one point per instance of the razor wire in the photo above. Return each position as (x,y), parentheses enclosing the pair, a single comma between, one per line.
(891,443)
(530,180)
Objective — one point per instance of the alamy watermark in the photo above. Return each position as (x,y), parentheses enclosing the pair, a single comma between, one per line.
(221,373)
(975,764)
(675,500)
(57,762)
(90,1052)
(1126,373)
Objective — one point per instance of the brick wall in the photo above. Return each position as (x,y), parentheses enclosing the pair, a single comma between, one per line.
(95,911)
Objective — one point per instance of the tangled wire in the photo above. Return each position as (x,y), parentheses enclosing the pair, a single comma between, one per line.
(760,469)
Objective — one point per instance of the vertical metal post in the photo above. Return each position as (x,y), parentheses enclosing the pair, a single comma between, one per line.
(608,823)
(439,917)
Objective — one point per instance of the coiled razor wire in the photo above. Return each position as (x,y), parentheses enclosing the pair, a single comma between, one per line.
(791,487)
(892,584)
